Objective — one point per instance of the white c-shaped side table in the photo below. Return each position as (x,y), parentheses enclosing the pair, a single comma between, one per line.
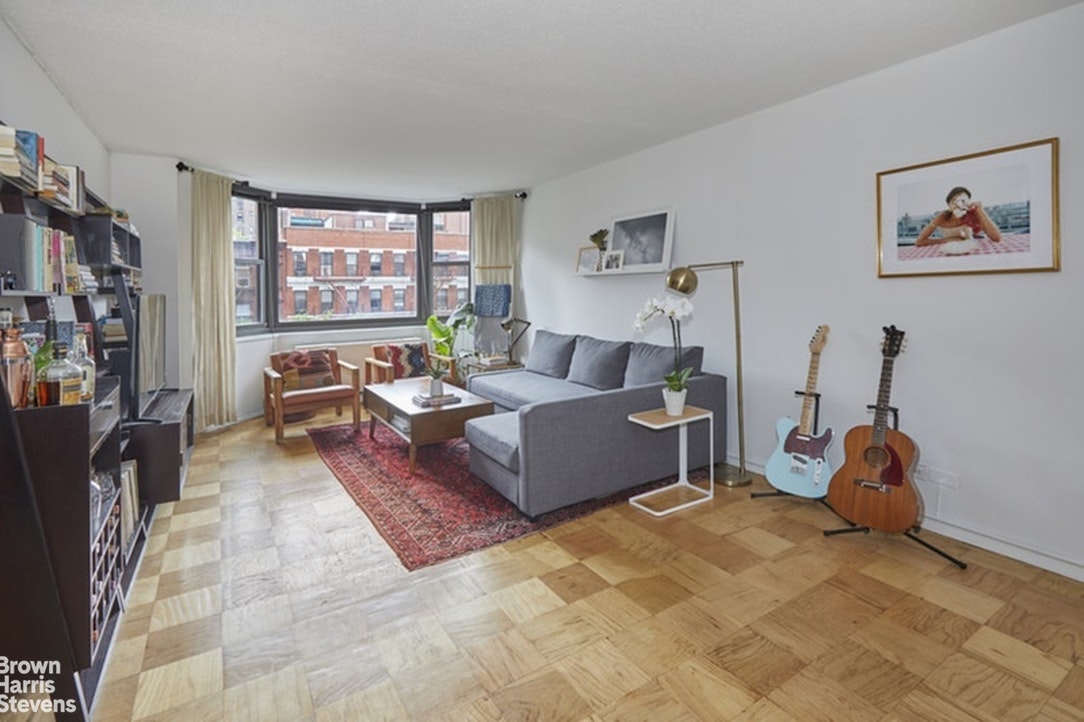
(658,419)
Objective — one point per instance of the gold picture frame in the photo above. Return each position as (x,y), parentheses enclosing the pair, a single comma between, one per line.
(995,211)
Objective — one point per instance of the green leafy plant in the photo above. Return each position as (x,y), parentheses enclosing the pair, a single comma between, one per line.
(444,333)
(599,238)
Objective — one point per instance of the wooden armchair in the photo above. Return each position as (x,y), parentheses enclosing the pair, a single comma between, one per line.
(403,358)
(309,380)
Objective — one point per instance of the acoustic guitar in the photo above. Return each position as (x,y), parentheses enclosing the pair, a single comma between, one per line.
(799,464)
(873,488)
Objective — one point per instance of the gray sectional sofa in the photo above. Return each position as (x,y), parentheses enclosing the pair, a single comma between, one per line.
(561,433)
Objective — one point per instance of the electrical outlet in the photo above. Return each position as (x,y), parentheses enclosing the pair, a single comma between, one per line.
(943,478)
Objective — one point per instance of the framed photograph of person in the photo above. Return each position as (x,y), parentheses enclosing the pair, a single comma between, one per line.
(989,212)
(612,261)
(646,241)
(588,260)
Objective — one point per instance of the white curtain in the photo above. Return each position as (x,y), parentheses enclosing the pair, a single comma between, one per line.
(213,307)
(495,253)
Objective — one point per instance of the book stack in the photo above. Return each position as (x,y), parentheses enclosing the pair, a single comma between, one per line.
(113,330)
(87,280)
(30,150)
(428,400)
(9,159)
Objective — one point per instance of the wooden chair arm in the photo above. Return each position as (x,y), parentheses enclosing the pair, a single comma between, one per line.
(354,371)
(376,368)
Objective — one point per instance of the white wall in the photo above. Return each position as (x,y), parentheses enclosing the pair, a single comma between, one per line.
(989,385)
(147,187)
(28,99)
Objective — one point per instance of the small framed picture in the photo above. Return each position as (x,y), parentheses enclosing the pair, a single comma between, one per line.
(613,260)
(587,261)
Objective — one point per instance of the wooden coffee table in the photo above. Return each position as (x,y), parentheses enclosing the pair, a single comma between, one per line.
(392,405)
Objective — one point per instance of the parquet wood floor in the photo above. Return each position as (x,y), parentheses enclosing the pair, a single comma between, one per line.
(265,594)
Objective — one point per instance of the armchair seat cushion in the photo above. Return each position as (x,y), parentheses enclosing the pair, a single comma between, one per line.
(325,395)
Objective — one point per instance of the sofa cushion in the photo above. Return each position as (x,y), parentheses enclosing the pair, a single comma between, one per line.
(599,364)
(497,436)
(407,360)
(512,389)
(649,363)
(551,354)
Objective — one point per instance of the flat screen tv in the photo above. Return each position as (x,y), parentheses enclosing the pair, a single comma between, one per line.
(150,359)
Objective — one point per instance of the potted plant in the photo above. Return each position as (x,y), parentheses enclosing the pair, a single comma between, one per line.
(435,372)
(444,333)
(599,239)
(674,310)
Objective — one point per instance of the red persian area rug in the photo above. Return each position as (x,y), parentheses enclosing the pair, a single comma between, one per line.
(440,512)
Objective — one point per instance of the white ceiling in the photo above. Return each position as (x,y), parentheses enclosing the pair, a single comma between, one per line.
(440,99)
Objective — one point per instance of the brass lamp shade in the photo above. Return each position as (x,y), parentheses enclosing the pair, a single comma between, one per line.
(682,280)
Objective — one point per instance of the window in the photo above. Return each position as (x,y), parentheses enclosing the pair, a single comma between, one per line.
(248,291)
(451,261)
(308,262)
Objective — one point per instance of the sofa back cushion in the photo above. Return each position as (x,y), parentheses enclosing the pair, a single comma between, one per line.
(598,364)
(551,353)
(648,363)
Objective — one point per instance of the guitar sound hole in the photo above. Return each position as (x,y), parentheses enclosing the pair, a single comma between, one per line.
(875,456)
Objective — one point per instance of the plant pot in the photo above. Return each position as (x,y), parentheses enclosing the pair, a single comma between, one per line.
(436,387)
(674,401)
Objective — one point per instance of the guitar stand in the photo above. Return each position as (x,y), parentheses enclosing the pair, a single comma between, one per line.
(910,533)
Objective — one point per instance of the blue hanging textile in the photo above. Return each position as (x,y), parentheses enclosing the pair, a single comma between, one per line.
(492,299)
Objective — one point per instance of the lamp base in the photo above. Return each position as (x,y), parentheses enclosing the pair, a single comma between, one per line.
(728,475)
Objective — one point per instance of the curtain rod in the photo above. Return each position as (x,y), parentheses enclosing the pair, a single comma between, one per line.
(182,167)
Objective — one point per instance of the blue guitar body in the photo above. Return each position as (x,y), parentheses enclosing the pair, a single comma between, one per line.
(799,464)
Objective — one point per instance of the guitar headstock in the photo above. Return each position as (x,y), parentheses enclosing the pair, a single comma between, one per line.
(819,340)
(893,342)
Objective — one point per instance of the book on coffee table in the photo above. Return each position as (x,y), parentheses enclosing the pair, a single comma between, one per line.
(427,400)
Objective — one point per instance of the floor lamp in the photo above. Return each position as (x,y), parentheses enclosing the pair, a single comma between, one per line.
(683,280)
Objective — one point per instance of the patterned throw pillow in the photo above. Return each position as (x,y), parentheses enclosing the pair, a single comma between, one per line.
(306,370)
(407,359)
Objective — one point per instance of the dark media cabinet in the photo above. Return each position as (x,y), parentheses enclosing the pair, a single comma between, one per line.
(161,442)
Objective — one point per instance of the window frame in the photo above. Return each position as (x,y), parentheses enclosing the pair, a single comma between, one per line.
(268,210)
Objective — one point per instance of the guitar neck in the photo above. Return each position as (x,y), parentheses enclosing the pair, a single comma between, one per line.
(805,424)
(884,392)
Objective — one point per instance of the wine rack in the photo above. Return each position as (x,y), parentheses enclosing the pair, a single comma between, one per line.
(107,569)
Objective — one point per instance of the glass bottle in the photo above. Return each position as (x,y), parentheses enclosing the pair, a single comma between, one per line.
(17,363)
(60,382)
(44,355)
(87,366)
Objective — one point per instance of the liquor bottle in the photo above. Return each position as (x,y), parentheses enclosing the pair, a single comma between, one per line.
(60,382)
(87,366)
(17,363)
(44,355)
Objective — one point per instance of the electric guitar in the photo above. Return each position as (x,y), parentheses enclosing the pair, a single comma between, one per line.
(873,488)
(799,464)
